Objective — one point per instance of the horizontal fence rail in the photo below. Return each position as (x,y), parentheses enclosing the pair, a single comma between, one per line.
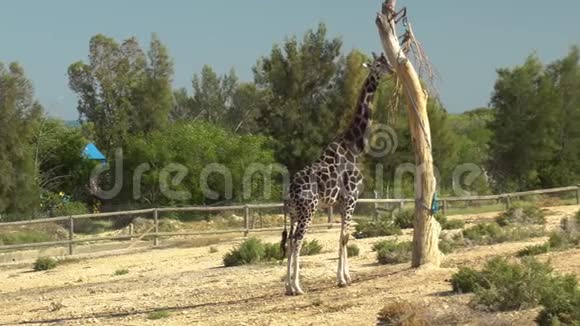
(156,234)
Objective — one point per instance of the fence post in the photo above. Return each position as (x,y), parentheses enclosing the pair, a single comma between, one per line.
(508,202)
(444,207)
(246,220)
(401,207)
(330,215)
(156,219)
(376,206)
(578,194)
(71,233)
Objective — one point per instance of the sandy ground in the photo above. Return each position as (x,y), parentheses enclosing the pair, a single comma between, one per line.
(193,287)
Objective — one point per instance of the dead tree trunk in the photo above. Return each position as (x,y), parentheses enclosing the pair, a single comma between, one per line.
(426,229)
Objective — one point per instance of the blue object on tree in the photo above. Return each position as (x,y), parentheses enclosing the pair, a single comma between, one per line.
(434,205)
(92,153)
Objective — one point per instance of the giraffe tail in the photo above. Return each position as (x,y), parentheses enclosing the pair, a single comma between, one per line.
(285,232)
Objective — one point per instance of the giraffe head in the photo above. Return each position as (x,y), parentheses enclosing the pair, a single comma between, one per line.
(379,67)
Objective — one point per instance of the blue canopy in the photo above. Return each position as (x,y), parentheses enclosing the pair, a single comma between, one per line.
(92,153)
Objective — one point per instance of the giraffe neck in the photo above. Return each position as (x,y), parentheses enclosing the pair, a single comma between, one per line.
(359,130)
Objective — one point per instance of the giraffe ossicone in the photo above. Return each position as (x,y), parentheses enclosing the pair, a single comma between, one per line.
(333,179)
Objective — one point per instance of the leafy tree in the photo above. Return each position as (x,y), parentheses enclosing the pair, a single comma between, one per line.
(564,168)
(19,113)
(300,77)
(59,160)
(535,141)
(193,146)
(122,90)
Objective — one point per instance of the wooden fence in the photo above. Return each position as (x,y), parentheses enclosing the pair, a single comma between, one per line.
(399,203)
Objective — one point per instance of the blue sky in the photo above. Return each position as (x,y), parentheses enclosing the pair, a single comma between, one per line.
(466,40)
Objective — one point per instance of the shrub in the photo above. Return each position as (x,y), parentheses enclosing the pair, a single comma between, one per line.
(522,214)
(372,229)
(309,248)
(490,233)
(121,272)
(248,252)
(401,313)
(561,302)
(502,285)
(272,251)
(534,250)
(467,280)
(484,233)
(155,315)
(447,224)
(91,226)
(70,208)
(392,252)
(448,246)
(24,236)
(352,250)
(44,264)
(405,219)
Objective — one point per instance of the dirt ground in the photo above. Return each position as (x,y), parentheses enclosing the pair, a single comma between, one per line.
(191,285)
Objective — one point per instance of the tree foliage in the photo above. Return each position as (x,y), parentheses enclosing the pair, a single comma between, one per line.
(122,90)
(536,111)
(19,113)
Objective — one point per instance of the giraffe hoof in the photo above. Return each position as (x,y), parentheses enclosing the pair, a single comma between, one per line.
(342,284)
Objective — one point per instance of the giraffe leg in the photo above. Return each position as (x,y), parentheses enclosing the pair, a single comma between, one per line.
(347,211)
(295,282)
(345,255)
(342,259)
(288,283)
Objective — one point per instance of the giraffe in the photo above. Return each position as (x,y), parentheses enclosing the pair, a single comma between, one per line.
(333,179)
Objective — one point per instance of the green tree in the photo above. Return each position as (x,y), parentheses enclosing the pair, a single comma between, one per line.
(19,113)
(526,127)
(194,146)
(58,157)
(301,78)
(122,90)
(564,168)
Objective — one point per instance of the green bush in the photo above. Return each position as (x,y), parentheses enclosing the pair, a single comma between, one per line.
(502,285)
(561,302)
(155,315)
(405,219)
(352,250)
(447,224)
(467,280)
(44,264)
(70,208)
(272,251)
(484,233)
(309,248)
(534,250)
(25,236)
(448,246)
(250,251)
(392,252)
(91,226)
(370,229)
(490,233)
(522,214)
(121,272)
